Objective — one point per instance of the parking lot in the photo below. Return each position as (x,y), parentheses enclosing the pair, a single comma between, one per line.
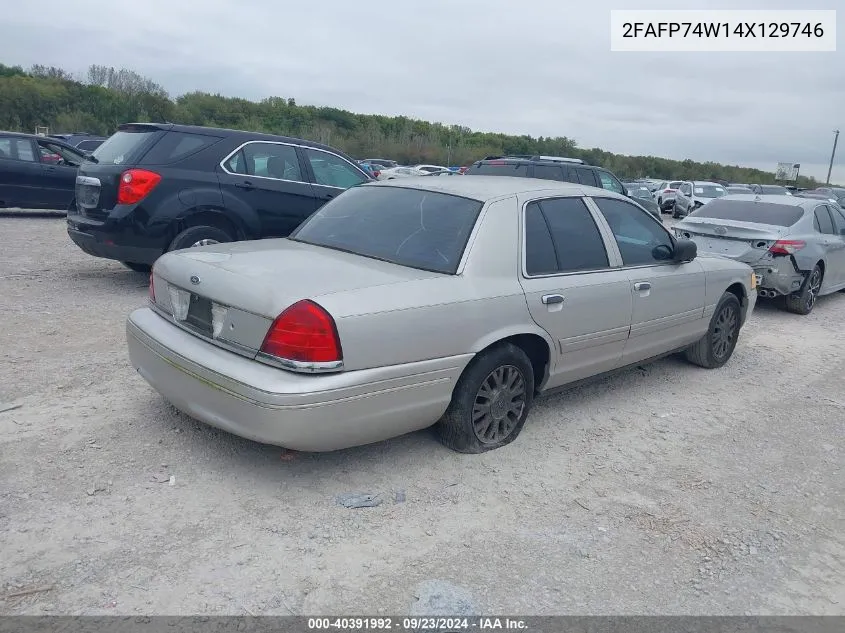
(666,489)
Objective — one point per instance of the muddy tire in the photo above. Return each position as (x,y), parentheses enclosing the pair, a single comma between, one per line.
(715,348)
(490,402)
(803,301)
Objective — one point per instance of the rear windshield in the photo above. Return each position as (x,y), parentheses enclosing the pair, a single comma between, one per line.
(750,211)
(708,191)
(675,184)
(124,146)
(498,168)
(774,190)
(410,227)
(87,146)
(175,146)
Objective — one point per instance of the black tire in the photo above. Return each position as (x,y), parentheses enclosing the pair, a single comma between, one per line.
(715,348)
(138,268)
(803,301)
(506,412)
(194,235)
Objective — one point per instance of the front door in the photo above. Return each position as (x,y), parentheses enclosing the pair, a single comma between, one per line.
(572,291)
(668,297)
(20,173)
(59,166)
(270,179)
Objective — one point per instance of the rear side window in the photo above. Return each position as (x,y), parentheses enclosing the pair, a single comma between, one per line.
(125,146)
(409,227)
(823,222)
(576,242)
(498,168)
(586,177)
(548,172)
(16,148)
(750,211)
(175,146)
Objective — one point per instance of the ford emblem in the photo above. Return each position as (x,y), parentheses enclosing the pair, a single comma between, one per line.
(195,280)
(719,230)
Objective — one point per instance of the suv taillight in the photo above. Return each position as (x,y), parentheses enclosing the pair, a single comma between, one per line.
(135,184)
(304,333)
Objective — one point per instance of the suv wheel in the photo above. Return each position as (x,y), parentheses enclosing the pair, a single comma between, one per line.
(199,236)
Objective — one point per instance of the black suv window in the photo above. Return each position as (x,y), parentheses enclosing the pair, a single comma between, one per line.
(561,236)
(266,160)
(823,222)
(587,176)
(175,146)
(125,146)
(16,149)
(609,182)
(332,170)
(498,168)
(548,172)
(637,234)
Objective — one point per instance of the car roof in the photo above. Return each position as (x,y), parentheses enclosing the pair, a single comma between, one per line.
(705,182)
(226,132)
(51,139)
(485,188)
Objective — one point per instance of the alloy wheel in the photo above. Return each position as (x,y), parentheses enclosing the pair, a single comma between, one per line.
(498,404)
(724,331)
(205,242)
(813,287)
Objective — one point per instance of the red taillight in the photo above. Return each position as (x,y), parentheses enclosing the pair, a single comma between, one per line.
(135,184)
(304,332)
(787,247)
(497,163)
(152,289)
(668,190)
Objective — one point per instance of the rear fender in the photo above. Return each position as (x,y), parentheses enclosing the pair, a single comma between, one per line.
(494,337)
(178,204)
(242,215)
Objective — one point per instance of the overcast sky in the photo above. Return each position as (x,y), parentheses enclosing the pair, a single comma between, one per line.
(539,67)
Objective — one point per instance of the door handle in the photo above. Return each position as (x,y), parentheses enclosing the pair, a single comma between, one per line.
(246,184)
(551,299)
(642,285)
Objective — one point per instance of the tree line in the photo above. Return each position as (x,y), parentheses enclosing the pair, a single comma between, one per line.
(105,97)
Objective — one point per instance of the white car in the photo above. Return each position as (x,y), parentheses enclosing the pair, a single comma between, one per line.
(400,172)
(695,194)
(430,168)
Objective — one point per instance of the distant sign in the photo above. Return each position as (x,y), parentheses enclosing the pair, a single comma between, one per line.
(787,171)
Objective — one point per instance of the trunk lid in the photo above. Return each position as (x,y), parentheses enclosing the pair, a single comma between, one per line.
(266,276)
(747,242)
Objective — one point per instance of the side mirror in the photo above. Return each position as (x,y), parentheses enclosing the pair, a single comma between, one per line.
(685,251)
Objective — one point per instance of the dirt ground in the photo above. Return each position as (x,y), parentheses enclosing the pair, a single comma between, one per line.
(667,489)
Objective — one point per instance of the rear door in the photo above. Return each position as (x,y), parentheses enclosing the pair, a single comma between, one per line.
(20,173)
(270,178)
(330,174)
(668,298)
(573,290)
(59,165)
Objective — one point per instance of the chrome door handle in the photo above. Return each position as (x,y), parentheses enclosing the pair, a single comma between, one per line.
(642,285)
(551,299)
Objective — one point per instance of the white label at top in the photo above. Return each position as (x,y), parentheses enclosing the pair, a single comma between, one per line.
(723,31)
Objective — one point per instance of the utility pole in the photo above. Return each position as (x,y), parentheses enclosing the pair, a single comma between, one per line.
(832,154)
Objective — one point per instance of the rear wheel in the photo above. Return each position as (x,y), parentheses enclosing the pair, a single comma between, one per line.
(199,236)
(803,301)
(491,401)
(138,268)
(715,348)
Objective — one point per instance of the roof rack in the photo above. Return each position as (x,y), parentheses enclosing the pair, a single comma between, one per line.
(560,159)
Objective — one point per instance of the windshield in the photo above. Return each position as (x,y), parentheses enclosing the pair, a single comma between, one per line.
(640,192)
(708,191)
(745,190)
(124,146)
(750,211)
(409,227)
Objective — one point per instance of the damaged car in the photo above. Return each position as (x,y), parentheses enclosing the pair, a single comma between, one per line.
(795,245)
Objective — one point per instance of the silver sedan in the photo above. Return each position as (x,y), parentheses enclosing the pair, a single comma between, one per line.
(796,245)
(418,301)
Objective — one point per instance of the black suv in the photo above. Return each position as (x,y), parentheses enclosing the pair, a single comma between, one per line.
(547,167)
(152,188)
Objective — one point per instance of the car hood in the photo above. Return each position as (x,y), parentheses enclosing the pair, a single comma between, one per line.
(266,276)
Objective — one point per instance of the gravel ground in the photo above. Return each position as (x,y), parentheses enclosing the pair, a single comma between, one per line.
(666,489)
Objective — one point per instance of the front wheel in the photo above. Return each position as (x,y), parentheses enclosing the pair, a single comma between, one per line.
(491,401)
(715,348)
(803,301)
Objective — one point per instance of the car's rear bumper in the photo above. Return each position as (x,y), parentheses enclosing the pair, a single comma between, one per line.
(273,406)
(100,246)
(780,278)
(118,238)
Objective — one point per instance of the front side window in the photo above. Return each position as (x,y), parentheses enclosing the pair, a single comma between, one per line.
(56,154)
(409,227)
(640,239)
(272,160)
(333,171)
(575,241)
(609,182)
